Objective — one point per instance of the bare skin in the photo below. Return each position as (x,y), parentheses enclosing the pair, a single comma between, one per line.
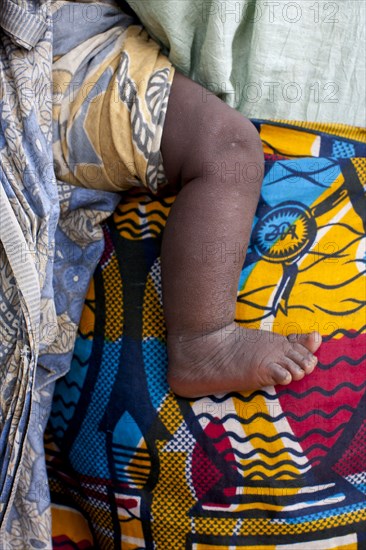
(216,155)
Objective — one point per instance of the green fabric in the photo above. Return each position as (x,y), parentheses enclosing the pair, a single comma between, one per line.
(300,60)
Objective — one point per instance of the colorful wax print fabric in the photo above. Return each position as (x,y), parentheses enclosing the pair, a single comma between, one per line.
(132,466)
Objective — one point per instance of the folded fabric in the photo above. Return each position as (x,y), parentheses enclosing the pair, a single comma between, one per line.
(111,89)
(269,59)
(50,242)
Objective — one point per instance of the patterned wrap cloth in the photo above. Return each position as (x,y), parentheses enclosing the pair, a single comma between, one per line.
(50,232)
(29,211)
(50,243)
(132,466)
(111,89)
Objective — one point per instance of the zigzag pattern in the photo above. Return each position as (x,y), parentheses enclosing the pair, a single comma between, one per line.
(143,218)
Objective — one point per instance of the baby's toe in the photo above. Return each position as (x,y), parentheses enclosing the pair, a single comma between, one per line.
(278,375)
(310,341)
(294,368)
(303,358)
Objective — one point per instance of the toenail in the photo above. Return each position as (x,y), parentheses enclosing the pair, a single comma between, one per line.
(310,360)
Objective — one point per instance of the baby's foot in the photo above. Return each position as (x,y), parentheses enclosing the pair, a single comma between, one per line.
(238,359)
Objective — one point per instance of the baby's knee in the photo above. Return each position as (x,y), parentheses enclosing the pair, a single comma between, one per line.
(237,136)
(226,143)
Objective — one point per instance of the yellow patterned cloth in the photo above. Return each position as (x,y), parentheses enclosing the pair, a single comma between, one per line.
(111,89)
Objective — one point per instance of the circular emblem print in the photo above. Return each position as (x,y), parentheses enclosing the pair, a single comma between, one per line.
(284,233)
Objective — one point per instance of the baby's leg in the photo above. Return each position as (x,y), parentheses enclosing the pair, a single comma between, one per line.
(216,155)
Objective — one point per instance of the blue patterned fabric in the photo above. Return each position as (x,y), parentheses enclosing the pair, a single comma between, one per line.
(50,242)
